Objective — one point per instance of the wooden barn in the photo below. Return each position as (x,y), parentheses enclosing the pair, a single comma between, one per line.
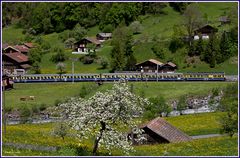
(204,32)
(81,46)
(153,65)
(7,82)
(159,130)
(104,36)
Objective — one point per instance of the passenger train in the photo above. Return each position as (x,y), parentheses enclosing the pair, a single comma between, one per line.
(109,77)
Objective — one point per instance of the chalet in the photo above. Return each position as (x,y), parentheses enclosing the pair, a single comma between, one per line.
(150,65)
(224,20)
(81,46)
(204,32)
(153,65)
(103,36)
(15,60)
(160,131)
(168,67)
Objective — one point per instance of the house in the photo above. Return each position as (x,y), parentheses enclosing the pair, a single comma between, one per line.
(18,48)
(150,65)
(15,60)
(224,20)
(153,65)
(204,32)
(81,46)
(159,130)
(103,36)
(168,67)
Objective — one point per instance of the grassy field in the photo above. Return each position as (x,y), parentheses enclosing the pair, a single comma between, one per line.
(160,26)
(30,134)
(48,93)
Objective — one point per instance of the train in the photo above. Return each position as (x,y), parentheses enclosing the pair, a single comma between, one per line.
(110,77)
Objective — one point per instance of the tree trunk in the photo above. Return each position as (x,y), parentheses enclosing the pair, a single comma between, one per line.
(95,147)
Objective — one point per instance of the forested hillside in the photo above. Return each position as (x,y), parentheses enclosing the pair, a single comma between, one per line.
(140,31)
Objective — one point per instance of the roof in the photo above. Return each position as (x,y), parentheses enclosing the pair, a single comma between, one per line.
(18,57)
(105,34)
(29,45)
(171,64)
(11,48)
(166,130)
(152,61)
(224,19)
(25,66)
(22,48)
(93,40)
(206,27)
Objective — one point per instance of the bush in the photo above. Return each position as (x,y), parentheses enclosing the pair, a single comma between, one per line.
(87,60)
(104,63)
(136,27)
(42,107)
(60,56)
(83,91)
(57,102)
(25,114)
(108,28)
(61,130)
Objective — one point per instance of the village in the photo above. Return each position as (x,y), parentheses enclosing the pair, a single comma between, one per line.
(144,85)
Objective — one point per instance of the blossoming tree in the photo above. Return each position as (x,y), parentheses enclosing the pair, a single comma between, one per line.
(100,115)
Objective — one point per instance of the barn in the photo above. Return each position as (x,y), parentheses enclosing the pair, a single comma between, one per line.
(103,36)
(159,130)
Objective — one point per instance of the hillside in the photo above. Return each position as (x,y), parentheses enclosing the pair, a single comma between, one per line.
(155,28)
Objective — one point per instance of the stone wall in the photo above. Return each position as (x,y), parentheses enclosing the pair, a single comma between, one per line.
(196,104)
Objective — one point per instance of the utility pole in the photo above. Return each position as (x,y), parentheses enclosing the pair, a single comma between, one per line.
(73,60)
(4,108)
(157,72)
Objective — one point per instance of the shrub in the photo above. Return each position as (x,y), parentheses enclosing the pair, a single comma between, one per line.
(83,91)
(87,60)
(104,63)
(61,130)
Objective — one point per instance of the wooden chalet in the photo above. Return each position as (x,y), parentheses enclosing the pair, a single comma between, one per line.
(81,46)
(15,60)
(159,130)
(168,67)
(153,65)
(10,49)
(104,36)
(22,48)
(224,20)
(204,32)
(29,45)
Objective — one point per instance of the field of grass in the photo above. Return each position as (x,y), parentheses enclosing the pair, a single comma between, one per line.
(45,93)
(191,124)
(48,93)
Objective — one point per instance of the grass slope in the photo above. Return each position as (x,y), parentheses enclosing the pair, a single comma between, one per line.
(155,26)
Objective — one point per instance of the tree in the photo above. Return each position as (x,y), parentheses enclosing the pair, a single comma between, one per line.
(212,51)
(179,6)
(158,51)
(176,41)
(136,27)
(69,43)
(224,48)
(192,20)
(157,107)
(61,130)
(61,67)
(104,63)
(182,103)
(79,32)
(130,58)
(229,104)
(199,49)
(99,116)
(59,56)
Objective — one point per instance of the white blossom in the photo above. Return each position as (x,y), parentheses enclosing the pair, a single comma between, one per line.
(111,108)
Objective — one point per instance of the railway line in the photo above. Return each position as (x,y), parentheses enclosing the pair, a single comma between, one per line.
(111,77)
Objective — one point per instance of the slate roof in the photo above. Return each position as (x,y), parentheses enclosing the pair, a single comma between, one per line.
(166,130)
